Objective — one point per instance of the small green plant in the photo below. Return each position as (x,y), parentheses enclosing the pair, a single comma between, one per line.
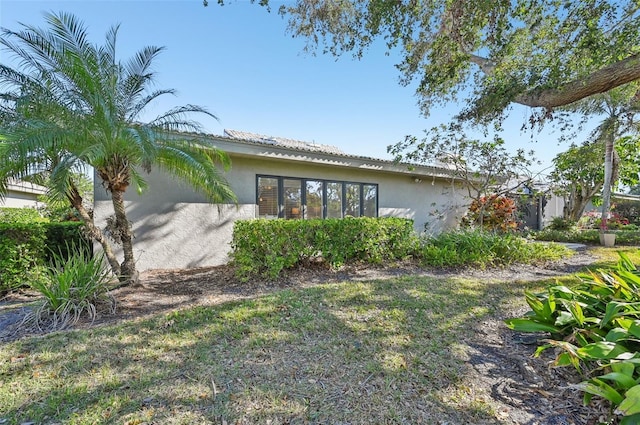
(596,323)
(483,249)
(561,223)
(76,284)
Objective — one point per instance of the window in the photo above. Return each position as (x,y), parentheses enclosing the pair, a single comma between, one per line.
(370,200)
(294,198)
(313,194)
(268,205)
(334,200)
(352,199)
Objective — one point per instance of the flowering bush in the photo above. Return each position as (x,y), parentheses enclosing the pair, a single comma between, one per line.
(593,220)
(492,212)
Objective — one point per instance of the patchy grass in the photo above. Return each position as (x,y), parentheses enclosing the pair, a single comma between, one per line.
(387,351)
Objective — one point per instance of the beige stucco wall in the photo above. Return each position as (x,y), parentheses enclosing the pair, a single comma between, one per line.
(22,195)
(19,200)
(175,227)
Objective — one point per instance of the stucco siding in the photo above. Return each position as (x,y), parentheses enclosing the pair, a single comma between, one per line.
(21,195)
(175,227)
(180,235)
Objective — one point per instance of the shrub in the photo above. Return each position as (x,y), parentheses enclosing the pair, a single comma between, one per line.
(20,215)
(628,236)
(497,213)
(597,322)
(266,247)
(26,247)
(62,235)
(630,210)
(76,284)
(22,248)
(482,249)
(561,223)
(593,220)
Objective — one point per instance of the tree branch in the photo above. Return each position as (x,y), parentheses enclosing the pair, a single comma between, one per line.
(485,64)
(600,81)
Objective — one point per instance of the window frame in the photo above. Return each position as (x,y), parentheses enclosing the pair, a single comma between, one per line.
(303,187)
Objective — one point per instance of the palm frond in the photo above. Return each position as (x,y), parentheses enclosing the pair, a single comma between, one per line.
(136,108)
(195,165)
(177,119)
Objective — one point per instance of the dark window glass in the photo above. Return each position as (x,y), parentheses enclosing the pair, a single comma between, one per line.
(292,189)
(313,199)
(334,200)
(370,200)
(295,198)
(352,208)
(268,197)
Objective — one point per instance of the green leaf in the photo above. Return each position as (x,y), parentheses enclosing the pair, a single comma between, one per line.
(613,307)
(542,308)
(567,359)
(631,403)
(631,420)
(616,334)
(601,350)
(626,367)
(540,349)
(602,389)
(625,381)
(634,329)
(527,325)
(576,311)
(625,263)
(564,318)
(562,291)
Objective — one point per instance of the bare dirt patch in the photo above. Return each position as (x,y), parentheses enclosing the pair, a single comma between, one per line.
(500,368)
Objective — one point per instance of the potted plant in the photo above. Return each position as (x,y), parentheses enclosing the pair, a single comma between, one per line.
(607,237)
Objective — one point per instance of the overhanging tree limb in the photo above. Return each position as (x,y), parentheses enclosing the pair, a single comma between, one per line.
(600,81)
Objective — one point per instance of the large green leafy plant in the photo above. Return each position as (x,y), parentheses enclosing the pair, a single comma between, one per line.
(596,327)
(77,285)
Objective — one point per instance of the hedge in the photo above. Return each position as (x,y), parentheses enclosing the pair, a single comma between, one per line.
(20,215)
(27,247)
(266,247)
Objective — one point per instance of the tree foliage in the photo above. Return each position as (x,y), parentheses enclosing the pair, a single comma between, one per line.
(483,167)
(539,53)
(71,103)
(578,173)
(618,110)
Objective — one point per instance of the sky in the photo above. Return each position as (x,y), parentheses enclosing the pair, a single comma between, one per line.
(239,62)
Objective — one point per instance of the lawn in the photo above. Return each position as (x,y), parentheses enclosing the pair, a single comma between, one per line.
(378,351)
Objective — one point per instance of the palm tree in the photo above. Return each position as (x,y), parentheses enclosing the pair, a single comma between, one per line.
(619,109)
(72,104)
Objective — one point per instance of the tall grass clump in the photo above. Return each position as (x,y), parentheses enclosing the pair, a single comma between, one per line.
(472,247)
(77,284)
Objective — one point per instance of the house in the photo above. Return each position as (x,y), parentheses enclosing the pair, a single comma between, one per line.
(22,194)
(273,177)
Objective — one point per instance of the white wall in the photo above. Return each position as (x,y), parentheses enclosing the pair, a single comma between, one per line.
(21,194)
(18,199)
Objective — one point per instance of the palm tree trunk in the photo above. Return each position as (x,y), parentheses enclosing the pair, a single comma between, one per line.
(128,270)
(76,201)
(608,174)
